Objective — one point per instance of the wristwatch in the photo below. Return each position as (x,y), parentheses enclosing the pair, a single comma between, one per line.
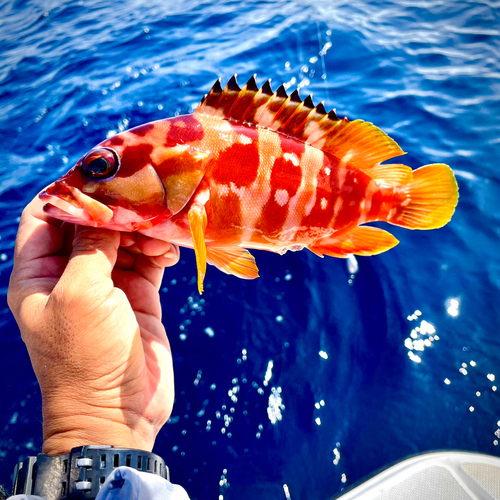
(80,473)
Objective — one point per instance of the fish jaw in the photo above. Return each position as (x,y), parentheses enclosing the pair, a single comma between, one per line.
(67,203)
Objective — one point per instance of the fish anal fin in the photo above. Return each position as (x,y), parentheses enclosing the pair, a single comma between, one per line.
(391,174)
(233,260)
(317,252)
(428,202)
(362,240)
(197,217)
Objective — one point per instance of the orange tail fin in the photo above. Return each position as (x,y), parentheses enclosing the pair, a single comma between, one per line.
(428,202)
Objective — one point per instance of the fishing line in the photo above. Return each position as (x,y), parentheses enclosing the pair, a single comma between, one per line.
(321,54)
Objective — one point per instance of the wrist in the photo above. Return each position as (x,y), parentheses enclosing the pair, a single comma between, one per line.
(63,430)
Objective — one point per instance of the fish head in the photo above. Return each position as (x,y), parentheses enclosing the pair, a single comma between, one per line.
(102,190)
(126,183)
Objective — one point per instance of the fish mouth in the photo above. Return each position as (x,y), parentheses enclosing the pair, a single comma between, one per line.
(71,205)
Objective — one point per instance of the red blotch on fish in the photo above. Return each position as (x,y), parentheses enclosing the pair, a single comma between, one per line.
(238,164)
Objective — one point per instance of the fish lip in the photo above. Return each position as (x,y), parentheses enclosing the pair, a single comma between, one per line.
(80,208)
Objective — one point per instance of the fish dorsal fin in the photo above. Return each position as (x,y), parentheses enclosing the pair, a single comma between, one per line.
(265,108)
(359,143)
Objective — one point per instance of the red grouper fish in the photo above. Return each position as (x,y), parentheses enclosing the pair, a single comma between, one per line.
(254,169)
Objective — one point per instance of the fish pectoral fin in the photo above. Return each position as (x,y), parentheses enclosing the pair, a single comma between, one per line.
(363,240)
(233,260)
(197,217)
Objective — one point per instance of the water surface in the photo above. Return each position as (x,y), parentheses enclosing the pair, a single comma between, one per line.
(300,383)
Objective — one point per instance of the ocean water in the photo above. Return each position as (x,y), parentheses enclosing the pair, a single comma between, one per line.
(300,383)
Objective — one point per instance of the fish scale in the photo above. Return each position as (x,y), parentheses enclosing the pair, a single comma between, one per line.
(254,169)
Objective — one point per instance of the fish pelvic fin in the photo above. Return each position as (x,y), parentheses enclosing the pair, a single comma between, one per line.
(197,217)
(429,201)
(233,260)
(362,240)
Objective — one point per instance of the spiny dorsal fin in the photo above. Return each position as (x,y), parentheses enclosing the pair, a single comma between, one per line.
(358,143)
(266,88)
(211,100)
(308,102)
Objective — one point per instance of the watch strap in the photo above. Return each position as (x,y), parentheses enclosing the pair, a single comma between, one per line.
(81,473)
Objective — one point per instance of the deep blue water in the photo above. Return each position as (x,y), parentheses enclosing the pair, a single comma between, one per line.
(258,406)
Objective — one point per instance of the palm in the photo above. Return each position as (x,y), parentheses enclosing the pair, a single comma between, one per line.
(152,359)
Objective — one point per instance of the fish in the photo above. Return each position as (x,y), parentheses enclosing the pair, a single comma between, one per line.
(254,169)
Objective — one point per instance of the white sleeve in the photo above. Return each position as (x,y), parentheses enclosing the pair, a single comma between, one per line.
(129,484)
(125,483)
(25,497)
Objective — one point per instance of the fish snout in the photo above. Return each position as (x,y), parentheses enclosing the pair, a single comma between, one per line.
(68,203)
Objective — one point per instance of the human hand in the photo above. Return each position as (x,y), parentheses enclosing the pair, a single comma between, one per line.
(87,304)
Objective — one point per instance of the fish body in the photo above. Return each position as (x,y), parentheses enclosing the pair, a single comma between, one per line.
(254,169)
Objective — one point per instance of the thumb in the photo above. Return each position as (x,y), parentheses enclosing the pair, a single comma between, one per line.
(92,259)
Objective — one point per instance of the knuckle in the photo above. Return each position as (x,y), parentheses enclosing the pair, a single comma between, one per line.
(90,241)
(12,300)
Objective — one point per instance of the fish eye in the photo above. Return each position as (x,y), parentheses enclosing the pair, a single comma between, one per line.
(100,164)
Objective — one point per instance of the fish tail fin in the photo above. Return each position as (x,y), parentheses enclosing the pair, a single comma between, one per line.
(428,202)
